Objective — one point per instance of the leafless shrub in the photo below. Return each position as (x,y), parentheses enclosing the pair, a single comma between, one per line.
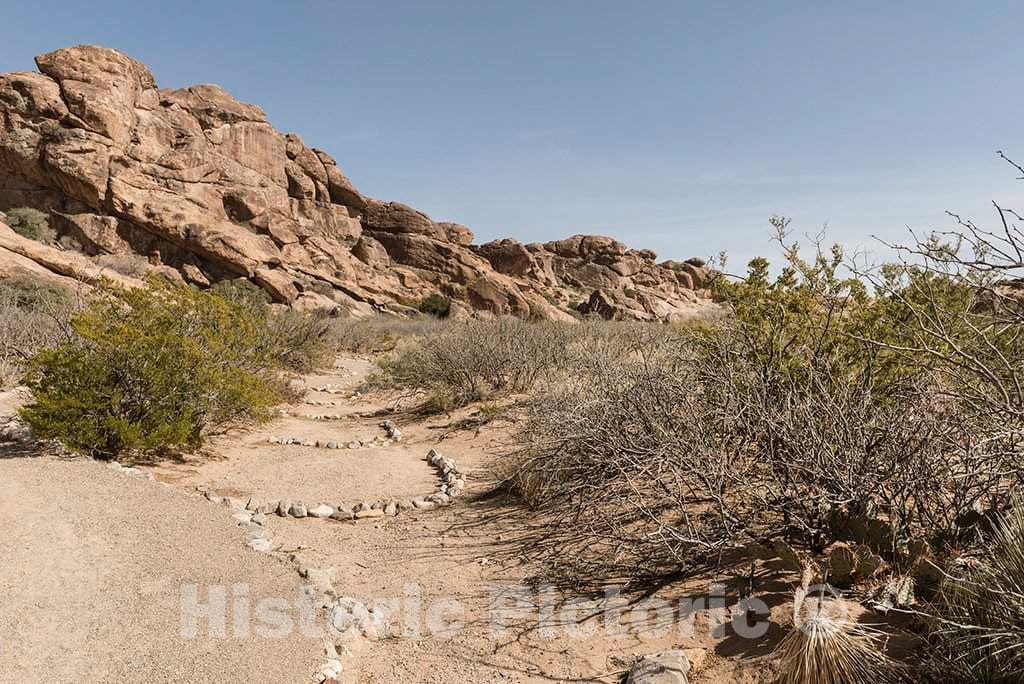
(33,314)
(379,333)
(298,340)
(804,416)
(472,360)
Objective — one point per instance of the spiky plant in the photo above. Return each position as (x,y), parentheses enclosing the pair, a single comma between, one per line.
(977,619)
(824,647)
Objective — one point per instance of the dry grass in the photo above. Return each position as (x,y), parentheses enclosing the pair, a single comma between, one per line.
(977,620)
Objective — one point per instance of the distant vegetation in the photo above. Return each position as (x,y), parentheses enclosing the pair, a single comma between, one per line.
(435,305)
(30,223)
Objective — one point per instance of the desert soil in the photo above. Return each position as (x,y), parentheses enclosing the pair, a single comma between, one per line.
(94,561)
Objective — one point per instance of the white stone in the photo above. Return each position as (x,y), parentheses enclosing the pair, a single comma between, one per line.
(261,545)
(321,511)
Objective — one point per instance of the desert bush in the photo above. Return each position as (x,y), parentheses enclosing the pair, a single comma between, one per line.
(34,313)
(31,223)
(296,340)
(131,265)
(245,293)
(379,333)
(435,305)
(802,416)
(468,361)
(151,370)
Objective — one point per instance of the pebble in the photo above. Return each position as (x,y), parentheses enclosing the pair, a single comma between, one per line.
(342,513)
(283,507)
(255,531)
(391,509)
(298,510)
(261,545)
(321,511)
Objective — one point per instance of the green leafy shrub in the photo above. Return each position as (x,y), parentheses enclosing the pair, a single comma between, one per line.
(151,370)
(30,223)
(435,305)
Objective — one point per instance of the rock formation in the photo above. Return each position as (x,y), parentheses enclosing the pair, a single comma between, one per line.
(198,186)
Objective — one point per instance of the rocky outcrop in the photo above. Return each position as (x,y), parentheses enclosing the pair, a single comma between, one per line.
(200,185)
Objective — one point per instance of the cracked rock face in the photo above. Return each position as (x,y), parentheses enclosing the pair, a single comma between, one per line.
(202,187)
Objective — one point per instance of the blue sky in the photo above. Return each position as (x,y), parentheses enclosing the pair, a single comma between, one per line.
(678,126)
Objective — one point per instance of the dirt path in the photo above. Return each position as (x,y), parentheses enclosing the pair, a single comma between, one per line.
(457,562)
(94,562)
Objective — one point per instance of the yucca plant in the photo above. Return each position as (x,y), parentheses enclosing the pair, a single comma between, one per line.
(825,647)
(977,620)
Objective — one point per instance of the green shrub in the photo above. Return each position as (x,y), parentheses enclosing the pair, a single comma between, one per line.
(151,370)
(30,223)
(29,292)
(435,305)
(244,292)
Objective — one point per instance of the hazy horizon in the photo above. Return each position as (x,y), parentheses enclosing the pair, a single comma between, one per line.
(680,127)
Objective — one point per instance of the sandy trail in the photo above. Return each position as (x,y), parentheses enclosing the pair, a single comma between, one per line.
(93,567)
(101,556)
(459,559)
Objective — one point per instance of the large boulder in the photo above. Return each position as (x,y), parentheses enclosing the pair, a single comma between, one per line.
(202,188)
(507,256)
